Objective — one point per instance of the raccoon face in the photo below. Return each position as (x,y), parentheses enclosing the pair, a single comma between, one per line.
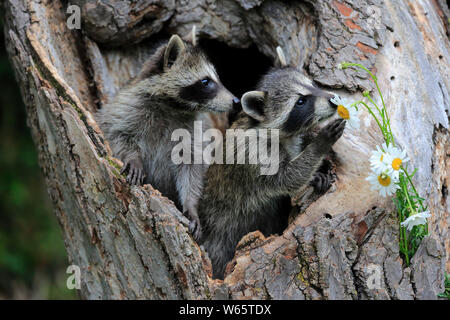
(190,80)
(289,101)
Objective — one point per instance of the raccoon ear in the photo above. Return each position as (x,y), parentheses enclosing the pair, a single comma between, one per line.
(175,48)
(253,104)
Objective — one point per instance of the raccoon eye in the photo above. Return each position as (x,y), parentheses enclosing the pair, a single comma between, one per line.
(206,81)
(301,101)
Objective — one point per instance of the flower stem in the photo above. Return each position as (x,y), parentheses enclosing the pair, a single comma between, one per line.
(375,80)
(405,191)
(376,106)
(411,209)
(405,240)
(414,188)
(376,119)
(407,203)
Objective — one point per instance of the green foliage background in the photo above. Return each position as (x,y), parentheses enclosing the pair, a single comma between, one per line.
(32,255)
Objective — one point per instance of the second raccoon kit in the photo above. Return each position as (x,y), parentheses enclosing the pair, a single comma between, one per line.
(237,199)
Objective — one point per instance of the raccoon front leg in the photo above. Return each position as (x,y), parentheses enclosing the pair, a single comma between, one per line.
(189,181)
(130,155)
(301,169)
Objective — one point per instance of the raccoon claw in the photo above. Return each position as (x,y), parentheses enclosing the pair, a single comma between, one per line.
(333,131)
(321,182)
(194,225)
(135,171)
(195,229)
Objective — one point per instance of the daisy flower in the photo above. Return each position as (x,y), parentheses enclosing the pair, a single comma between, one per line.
(416,219)
(394,159)
(383,182)
(377,159)
(345,112)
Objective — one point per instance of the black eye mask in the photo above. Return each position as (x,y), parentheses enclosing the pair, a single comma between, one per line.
(301,114)
(201,91)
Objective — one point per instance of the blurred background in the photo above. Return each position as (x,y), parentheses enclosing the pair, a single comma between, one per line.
(33,259)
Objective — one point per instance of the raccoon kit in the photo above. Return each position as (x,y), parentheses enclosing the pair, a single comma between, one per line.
(237,198)
(177,86)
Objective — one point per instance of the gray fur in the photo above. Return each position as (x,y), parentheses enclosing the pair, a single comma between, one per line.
(236,198)
(139,121)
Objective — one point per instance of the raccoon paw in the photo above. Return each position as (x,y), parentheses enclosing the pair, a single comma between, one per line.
(321,182)
(195,228)
(332,132)
(135,170)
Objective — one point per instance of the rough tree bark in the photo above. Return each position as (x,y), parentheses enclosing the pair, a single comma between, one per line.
(131,242)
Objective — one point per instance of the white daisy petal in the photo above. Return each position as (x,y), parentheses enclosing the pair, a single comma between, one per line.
(376,161)
(419,218)
(350,114)
(383,182)
(336,100)
(394,159)
(353,119)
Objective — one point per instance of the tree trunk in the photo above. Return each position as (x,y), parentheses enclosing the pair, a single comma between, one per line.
(132,243)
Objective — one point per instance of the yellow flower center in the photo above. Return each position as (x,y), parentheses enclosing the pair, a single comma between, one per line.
(384,179)
(381,159)
(396,163)
(343,112)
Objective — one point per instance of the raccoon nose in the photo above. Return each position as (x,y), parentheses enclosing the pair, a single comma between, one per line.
(332,104)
